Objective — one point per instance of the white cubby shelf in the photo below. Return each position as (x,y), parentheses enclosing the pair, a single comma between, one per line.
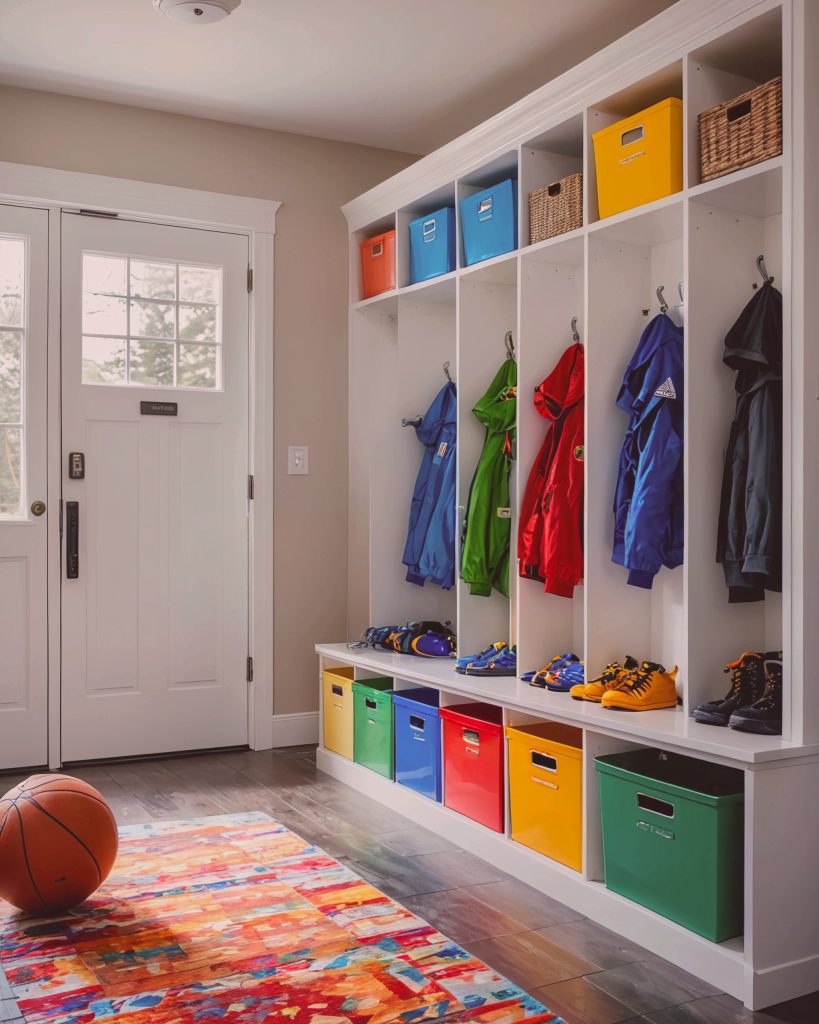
(701,245)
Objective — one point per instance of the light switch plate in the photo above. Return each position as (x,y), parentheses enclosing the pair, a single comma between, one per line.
(297,460)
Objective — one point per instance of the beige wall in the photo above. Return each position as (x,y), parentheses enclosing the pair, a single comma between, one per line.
(312,178)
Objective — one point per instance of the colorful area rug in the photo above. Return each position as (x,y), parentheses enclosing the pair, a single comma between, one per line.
(236,919)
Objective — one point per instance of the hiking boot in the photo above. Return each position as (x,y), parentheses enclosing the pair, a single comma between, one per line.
(765,715)
(609,679)
(646,688)
(504,663)
(747,686)
(478,659)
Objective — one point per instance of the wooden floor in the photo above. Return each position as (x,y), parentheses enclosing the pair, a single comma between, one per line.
(580,970)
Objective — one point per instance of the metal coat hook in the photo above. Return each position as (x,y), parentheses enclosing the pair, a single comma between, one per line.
(414,422)
(510,345)
(763,270)
(661,299)
(681,292)
(575,335)
(446,371)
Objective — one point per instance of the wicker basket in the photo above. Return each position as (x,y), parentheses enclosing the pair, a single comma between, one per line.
(741,132)
(556,208)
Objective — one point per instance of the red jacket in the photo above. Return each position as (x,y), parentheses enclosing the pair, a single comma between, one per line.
(550,532)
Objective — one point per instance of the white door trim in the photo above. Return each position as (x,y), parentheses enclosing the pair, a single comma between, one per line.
(58,190)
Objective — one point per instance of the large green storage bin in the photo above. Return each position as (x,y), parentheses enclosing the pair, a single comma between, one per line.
(372,728)
(673,837)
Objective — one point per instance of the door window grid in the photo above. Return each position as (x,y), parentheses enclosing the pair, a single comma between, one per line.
(13,337)
(151,323)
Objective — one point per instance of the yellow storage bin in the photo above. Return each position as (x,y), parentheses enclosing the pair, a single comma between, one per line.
(546,789)
(338,711)
(639,159)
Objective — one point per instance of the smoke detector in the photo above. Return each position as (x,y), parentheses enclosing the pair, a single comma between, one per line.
(197,12)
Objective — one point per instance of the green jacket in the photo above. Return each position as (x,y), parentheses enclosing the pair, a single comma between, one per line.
(488,523)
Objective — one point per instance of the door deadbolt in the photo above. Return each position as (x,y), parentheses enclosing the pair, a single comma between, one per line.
(37,508)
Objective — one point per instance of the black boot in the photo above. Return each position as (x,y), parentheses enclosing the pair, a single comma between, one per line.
(747,686)
(764,716)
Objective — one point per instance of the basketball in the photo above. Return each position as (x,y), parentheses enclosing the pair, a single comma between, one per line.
(58,843)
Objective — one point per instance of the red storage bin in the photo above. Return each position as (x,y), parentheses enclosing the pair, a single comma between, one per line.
(378,264)
(473,762)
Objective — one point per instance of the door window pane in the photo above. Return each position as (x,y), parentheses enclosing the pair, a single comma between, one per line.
(13,260)
(198,366)
(11,376)
(12,274)
(153,280)
(104,360)
(152,363)
(137,316)
(11,472)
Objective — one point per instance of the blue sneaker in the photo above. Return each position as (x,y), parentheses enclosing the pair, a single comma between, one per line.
(564,678)
(549,672)
(503,663)
(480,659)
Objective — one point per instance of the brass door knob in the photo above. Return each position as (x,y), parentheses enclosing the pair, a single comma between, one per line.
(37,508)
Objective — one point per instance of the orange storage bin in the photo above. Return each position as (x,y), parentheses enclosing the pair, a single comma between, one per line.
(378,264)
(639,159)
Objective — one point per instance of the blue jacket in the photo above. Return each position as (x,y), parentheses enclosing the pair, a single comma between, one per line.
(648,502)
(430,548)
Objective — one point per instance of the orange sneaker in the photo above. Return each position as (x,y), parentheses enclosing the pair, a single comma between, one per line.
(646,688)
(609,679)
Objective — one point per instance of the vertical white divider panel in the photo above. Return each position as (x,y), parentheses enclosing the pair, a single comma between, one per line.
(595,744)
(595,119)
(487,309)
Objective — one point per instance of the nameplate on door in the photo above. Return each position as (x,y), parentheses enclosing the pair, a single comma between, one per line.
(158,408)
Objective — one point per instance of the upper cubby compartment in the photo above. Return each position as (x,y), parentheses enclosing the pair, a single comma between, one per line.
(551,197)
(488,211)
(426,244)
(727,69)
(372,260)
(634,145)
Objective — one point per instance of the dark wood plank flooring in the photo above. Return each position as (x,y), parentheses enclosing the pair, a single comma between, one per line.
(585,973)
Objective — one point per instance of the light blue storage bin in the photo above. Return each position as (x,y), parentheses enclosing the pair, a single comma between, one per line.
(432,245)
(418,740)
(489,222)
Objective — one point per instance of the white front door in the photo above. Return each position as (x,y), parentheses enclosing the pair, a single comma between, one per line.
(23,498)
(155,462)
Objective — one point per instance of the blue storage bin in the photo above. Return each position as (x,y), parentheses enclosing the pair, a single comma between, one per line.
(432,245)
(489,222)
(418,741)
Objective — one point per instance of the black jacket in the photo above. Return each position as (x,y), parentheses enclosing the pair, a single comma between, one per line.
(749,543)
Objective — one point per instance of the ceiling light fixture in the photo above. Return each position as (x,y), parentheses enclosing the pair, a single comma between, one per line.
(197,12)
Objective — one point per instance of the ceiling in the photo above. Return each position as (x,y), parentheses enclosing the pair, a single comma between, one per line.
(401,74)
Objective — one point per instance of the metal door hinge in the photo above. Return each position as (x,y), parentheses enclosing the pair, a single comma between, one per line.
(61,519)
(249,675)
(250,279)
(251,487)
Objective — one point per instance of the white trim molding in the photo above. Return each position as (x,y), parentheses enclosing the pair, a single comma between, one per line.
(58,190)
(295,730)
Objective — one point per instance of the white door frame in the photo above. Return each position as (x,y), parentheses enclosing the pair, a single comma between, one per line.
(58,190)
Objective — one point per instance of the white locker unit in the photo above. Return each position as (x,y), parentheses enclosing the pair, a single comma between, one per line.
(701,245)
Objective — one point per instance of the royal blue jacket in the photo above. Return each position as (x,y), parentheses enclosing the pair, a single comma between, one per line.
(430,549)
(648,502)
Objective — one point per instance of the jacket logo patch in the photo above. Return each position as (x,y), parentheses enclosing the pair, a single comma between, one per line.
(579,452)
(666,389)
(504,513)
(442,447)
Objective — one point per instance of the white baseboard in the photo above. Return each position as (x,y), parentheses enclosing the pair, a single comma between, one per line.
(295,730)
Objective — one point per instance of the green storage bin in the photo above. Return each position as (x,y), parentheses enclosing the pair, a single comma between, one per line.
(673,837)
(372,729)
